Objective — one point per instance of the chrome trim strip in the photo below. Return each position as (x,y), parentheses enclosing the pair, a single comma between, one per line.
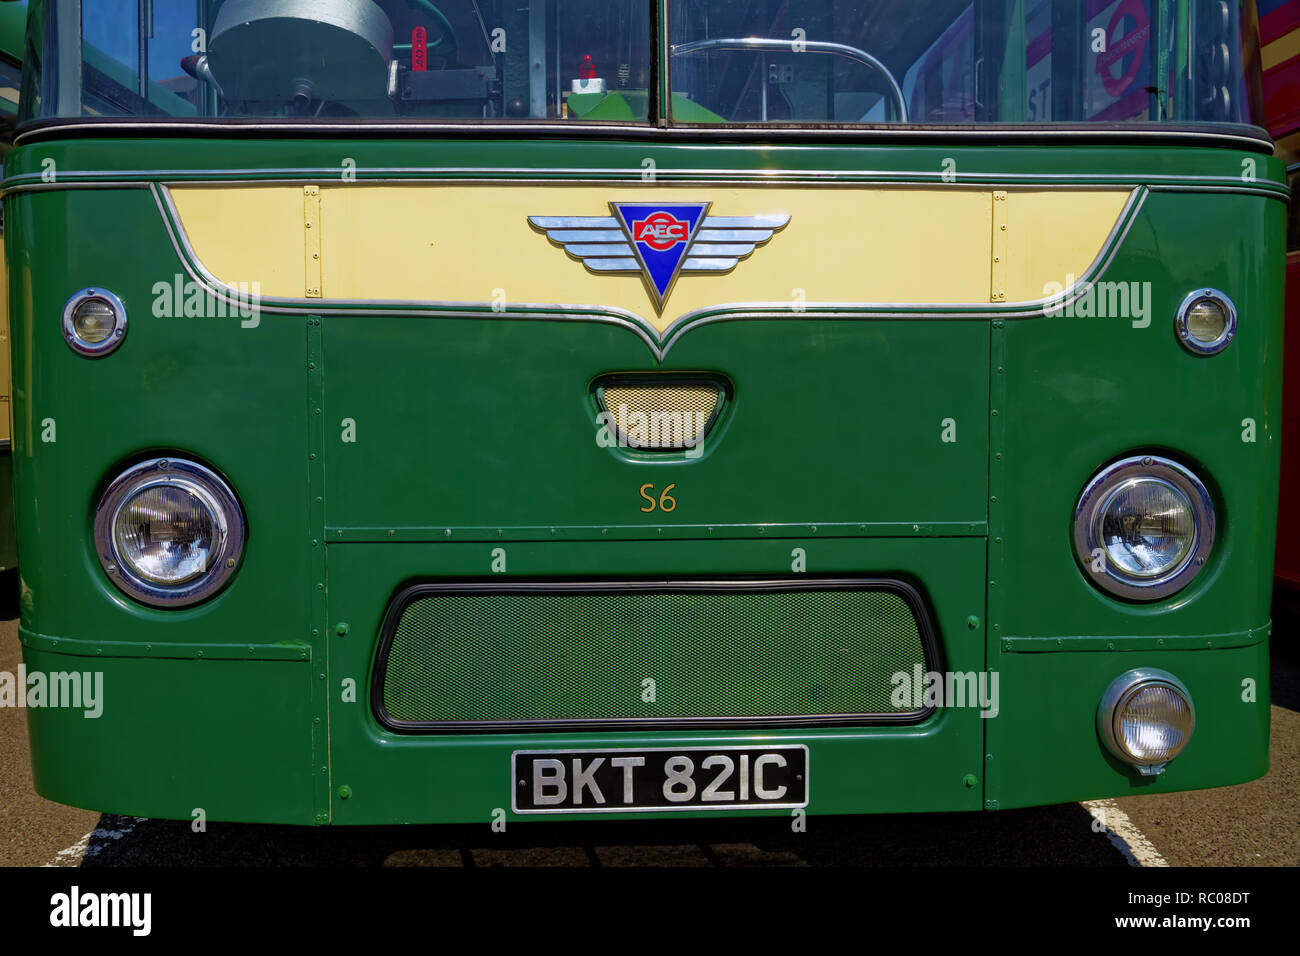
(1264,192)
(567,236)
(548,223)
(403,174)
(751,237)
(769,222)
(626,264)
(658,343)
(1243,189)
(54,187)
(600,250)
(709,249)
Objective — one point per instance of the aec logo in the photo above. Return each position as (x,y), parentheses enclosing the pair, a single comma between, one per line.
(661,231)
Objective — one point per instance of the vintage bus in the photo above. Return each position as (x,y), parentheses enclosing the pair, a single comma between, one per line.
(1279,35)
(468,411)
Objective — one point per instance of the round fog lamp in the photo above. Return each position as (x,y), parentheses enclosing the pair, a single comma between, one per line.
(94,322)
(1146,718)
(169,532)
(1206,322)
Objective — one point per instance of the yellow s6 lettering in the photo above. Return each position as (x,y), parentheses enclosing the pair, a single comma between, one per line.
(665,503)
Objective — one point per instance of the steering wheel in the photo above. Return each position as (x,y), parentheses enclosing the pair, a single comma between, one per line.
(811,46)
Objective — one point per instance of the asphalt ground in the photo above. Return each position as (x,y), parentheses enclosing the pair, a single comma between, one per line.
(1254,824)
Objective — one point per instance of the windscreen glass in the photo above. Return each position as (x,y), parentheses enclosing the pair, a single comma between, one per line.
(365,59)
(941,62)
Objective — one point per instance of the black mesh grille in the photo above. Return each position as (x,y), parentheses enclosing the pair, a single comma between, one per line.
(676,653)
(662,417)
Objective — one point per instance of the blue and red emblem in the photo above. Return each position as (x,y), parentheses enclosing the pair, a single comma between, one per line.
(660,241)
(661,238)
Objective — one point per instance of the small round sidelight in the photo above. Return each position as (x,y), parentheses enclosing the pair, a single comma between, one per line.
(169,532)
(94,322)
(1144,528)
(1206,322)
(1146,718)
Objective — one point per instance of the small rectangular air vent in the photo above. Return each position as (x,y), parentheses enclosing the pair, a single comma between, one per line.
(663,414)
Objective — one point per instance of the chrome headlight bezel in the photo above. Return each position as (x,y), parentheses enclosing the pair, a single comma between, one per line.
(94,349)
(1191,342)
(212,491)
(1087,527)
(1111,709)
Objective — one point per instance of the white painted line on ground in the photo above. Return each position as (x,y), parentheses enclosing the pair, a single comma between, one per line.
(91,844)
(1124,834)
(73,854)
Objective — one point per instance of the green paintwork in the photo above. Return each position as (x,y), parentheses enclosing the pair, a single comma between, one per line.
(226,737)
(475,434)
(625,106)
(572,159)
(395,779)
(799,446)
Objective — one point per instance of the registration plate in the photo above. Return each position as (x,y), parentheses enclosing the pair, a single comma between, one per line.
(605,781)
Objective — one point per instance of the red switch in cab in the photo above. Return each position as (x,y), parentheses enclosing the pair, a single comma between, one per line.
(419,49)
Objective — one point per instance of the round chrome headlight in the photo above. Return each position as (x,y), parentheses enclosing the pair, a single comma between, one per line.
(94,322)
(1144,527)
(1146,718)
(1206,322)
(169,532)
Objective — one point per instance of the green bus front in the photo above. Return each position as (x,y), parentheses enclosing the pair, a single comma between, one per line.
(457,412)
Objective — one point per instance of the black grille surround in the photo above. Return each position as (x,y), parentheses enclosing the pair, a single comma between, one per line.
(391,697)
